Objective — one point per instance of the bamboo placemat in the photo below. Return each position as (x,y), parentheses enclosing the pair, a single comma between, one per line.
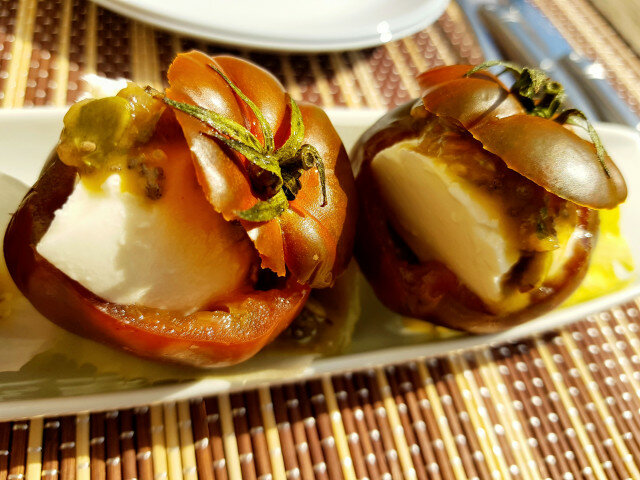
(565,405)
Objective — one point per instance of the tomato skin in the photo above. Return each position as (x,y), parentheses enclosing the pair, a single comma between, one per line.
(526,144)
(429,290)
(322,253)
(540,150)
(309,245)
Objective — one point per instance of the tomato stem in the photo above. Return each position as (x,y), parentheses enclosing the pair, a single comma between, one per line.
(284,166)
(577,118)
(543,97)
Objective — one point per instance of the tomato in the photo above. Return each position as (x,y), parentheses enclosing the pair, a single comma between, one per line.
(311,241)
(306,246)
(542,151)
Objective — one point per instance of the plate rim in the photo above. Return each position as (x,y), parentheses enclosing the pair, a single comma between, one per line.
(143,15)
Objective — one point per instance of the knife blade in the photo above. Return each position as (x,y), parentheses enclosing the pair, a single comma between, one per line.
(486,43)
(590,75)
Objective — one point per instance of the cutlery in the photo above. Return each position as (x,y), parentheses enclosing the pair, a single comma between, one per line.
(516,30)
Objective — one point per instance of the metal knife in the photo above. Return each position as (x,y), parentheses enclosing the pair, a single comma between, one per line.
(486,43)
(550,47)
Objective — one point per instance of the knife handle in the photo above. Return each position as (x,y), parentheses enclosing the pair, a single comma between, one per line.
(605,99)
(507,28)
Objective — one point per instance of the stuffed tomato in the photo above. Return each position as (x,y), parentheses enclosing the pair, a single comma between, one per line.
(478,205)
(188,225)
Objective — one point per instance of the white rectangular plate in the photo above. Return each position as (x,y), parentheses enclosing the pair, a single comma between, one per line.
(88,376)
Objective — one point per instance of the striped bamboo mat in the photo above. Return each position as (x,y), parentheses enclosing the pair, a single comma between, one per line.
(562,406)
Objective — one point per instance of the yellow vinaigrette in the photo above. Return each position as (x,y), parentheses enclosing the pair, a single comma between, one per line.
(611,269)
(611,266)
(109,135)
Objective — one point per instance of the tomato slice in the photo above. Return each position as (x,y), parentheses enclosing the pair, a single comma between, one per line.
(311,240)
(541,150)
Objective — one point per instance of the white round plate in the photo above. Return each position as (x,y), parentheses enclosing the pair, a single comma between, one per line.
(287,25)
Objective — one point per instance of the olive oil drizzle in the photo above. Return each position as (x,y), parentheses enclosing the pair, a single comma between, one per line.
(461,154)
(110,135)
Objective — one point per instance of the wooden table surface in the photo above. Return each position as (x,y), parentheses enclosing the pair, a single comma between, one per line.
(564,405)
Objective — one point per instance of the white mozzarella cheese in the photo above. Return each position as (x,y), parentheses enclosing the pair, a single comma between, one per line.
(175,253)
(442,216)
